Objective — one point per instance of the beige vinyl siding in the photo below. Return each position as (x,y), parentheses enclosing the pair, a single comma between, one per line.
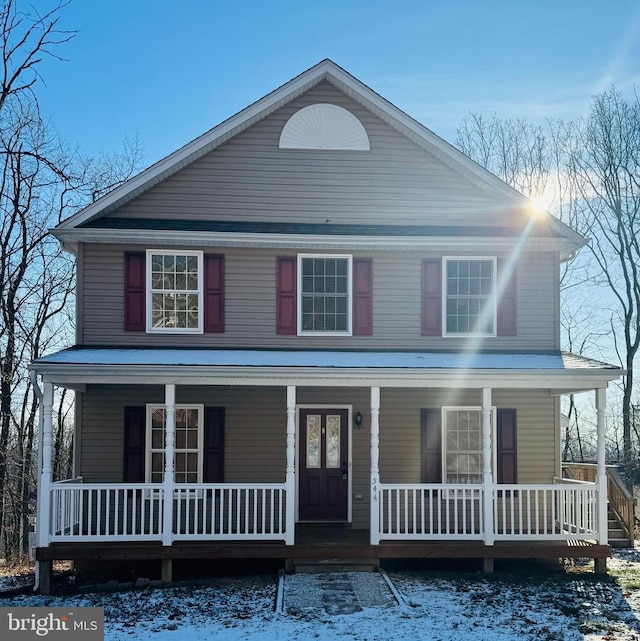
(400,454)
(250,304)
(250,178)
(255,431)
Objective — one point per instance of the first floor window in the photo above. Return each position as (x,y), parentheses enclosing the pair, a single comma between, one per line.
(325,294)
(188,443)
(174,291)
(462,445)
(470,305)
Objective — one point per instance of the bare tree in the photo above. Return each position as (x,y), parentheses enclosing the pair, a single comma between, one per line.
(605,170)
(534,160)
(590,172)
(41,182)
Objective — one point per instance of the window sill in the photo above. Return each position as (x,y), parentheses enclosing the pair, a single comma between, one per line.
(325,334)
(173,331)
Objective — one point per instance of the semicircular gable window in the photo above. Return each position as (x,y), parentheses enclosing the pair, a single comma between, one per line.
(324,126)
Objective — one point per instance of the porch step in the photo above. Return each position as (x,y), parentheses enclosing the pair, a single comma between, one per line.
(335,565)
(620,542)
(616,534)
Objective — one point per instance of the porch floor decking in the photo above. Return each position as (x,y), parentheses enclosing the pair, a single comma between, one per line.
(324,541)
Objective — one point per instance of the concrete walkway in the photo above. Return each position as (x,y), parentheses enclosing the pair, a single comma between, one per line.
(336,592)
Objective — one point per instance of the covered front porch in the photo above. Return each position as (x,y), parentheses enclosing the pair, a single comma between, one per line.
(168,519)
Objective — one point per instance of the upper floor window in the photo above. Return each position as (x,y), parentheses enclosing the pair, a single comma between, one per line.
(469,296)
(174,292)
(324,304)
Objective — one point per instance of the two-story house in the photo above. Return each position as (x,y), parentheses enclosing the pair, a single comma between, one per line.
(317,312)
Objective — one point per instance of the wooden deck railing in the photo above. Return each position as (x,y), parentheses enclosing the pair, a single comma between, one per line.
(620,498)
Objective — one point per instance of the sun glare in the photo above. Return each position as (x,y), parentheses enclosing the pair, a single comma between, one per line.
(539,206)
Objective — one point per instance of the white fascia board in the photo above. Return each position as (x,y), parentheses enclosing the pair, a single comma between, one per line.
(325,377)
(302,241)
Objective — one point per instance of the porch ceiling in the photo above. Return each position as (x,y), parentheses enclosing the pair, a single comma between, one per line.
(557,372)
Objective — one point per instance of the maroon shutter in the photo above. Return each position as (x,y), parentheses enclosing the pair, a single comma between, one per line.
(506,447)
(213,293)
(286,295)
(432,297)
(213,464)
(430,427)
(134,444)
(362,297)
(508,303)
(134,292)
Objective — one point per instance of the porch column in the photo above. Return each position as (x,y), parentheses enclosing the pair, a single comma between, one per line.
(375,469)
(46,475)
(487,474)
(169,467)
(290,482)
(601,472)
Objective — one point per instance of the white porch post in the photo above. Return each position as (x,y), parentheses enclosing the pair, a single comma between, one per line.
(601,473)
(290,481)
(169,467)
(487,474)
(375,469)
(46,475)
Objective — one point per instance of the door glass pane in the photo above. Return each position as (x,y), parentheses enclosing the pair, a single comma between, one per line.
(313,441)
(333,441)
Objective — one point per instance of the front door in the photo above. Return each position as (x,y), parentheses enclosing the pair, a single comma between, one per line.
(323,464)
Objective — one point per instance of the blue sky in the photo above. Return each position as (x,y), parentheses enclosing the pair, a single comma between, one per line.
(168,70)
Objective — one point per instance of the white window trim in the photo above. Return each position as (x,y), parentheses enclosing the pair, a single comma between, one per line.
(148,451)
(443,436)
(494,276)
(175,330)
(349,329)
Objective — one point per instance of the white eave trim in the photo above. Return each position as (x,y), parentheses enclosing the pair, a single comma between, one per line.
(303,241)
(574,380)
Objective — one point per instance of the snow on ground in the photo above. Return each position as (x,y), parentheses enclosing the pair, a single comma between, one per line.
(551,606)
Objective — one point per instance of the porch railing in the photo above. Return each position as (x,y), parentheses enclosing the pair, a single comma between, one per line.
(431,511)
(620,497)
(240,511)
(520,512)
(106,512)
(66,509)
(135,512)
(546,512)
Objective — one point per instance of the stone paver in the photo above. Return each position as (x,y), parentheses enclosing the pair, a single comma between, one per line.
(336,592)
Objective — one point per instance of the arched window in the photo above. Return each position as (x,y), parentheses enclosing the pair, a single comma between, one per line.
(324,126)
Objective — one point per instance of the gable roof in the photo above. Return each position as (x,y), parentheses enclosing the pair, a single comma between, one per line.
(328,71)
